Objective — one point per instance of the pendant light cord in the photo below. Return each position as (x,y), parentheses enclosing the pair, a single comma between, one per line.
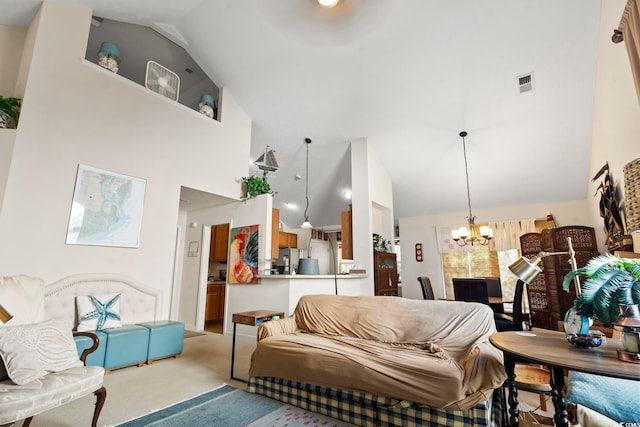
(306,191)
(466,172)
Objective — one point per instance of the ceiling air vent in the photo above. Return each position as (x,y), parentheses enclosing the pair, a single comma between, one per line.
(525,82)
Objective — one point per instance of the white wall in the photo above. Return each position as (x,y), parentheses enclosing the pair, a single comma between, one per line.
(78,113)
(371,190)
(7,139)
(422,229)
(11,44)
(616,113)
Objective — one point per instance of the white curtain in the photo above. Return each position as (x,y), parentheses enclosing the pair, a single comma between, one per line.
(506,234)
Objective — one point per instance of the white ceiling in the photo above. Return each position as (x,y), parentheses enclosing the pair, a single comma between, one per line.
(408,75)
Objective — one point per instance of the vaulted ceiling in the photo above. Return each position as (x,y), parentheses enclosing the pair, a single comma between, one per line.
(407,75)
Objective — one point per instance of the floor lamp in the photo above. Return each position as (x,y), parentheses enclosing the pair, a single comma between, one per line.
(527,271)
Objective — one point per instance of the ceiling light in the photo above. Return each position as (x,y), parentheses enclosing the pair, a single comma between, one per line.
(347,194)
(468,236)
(327,3)
(306,223)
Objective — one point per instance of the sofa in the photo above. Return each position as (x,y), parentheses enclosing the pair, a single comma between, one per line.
(377,360)
(132,331)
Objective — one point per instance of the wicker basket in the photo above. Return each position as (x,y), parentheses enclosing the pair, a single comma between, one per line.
(632,194)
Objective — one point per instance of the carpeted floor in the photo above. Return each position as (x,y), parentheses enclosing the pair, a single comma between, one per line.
(191,334)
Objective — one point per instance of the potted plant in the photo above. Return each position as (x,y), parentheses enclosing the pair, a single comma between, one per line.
(9,112)
(253,186)
(610,282)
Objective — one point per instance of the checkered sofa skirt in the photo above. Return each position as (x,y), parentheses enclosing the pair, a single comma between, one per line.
(365,409)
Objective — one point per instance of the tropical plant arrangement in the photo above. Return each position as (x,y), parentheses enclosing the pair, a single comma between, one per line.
(253,186)
(9,112)
(610,281)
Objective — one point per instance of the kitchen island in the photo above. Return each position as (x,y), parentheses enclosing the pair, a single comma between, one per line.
(281,292)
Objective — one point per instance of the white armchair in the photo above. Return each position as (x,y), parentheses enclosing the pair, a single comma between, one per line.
(39,366)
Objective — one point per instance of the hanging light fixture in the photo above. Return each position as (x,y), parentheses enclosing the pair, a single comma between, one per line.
(306,223)
(470,235)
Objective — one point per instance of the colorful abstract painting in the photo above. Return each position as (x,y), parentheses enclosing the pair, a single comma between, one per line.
(243,254)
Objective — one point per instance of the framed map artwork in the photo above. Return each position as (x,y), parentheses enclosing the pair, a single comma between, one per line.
(106,209)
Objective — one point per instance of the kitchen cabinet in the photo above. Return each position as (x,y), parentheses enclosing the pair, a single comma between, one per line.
(287,240)
(346,220)
(214,309)
(219,242)
(275,232)
(385,273)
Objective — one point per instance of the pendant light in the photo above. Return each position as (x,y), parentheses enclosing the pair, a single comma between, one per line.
(306,223)
(469,235)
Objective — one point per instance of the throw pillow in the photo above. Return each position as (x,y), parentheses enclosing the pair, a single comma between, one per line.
(23,297)
(96,312)
(30,351)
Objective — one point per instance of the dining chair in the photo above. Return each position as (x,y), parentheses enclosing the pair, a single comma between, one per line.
(477,290)
(494,289)
(425,285)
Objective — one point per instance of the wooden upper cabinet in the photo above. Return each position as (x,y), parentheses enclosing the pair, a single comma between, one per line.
(287,240)
(346,221)
(275,232)
(219,242)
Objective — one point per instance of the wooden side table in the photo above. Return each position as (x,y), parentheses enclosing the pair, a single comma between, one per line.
(551,349)
(250,318)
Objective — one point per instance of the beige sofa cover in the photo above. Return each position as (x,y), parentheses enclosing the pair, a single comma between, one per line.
(435,353)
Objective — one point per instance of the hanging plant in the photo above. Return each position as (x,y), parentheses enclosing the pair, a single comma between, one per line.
(253,186)
(611,281)
(9,112)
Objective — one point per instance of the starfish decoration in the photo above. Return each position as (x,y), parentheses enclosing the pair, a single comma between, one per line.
(101,311)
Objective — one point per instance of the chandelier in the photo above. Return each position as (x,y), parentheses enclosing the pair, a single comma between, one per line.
(470,235)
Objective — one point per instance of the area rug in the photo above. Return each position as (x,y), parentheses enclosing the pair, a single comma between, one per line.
(229,406)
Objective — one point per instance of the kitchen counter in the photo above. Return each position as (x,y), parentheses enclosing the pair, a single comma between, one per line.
(312,276)
(281,292)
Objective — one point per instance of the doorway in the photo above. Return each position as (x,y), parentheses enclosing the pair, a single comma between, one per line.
(216,279)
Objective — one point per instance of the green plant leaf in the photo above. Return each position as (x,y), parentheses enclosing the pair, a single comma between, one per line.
(610,281)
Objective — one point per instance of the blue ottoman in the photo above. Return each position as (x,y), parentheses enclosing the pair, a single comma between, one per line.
(165,339)
(126,346)
(97,357)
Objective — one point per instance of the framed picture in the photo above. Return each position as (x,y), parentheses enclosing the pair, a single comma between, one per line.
(106,209)
(244,243)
